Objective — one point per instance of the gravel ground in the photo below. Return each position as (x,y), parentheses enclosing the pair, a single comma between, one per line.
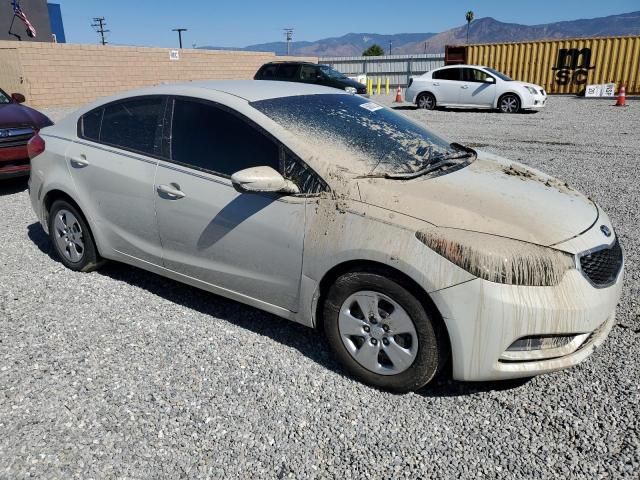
(121,373)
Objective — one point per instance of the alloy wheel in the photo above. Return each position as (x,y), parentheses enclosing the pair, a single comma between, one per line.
(69,236)
(426,101)
(509,104)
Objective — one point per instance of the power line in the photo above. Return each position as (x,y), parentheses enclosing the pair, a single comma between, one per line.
(288,32)
(99,26)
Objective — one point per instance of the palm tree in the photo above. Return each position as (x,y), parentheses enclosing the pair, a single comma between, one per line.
(469,17)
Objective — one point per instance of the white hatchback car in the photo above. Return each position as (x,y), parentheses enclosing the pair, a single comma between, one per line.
(473,86)
(330,210)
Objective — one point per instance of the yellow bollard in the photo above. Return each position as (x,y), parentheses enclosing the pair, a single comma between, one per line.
(378,87)
(368,92)
(386,87)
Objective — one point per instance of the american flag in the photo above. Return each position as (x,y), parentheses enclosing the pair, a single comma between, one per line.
(17,11)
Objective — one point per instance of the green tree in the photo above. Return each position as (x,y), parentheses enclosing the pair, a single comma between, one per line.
(469,17)
(374,50)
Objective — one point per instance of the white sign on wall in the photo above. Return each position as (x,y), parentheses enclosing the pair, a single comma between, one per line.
(174,54)
(602,90)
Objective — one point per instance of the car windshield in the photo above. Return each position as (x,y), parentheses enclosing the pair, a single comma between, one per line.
(358,135)
(330,72)
(4,98)
(500,75)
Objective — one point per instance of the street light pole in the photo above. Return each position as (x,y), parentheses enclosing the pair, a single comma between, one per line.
(179,30)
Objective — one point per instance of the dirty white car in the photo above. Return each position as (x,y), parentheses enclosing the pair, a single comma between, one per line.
(329,210)
(474,86)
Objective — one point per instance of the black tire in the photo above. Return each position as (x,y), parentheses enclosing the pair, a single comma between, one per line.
(509,103)
(426,100)
(432,351)
(89,258)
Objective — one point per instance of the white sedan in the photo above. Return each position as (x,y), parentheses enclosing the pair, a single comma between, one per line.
(473,86)
(330,210)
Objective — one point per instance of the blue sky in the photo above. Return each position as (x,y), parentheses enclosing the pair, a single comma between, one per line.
(238,23)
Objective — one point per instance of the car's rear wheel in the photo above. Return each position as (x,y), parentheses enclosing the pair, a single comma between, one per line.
(381,332)
(509,103)
(71,237)
(427,101)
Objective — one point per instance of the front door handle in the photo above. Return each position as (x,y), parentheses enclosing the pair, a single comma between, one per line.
(436,84)
(79,162)
(172,190)
(465,86)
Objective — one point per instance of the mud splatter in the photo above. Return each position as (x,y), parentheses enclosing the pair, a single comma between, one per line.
(498,259)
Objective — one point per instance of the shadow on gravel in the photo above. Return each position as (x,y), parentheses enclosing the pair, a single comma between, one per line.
(307,341)
(13,185)
(445,387)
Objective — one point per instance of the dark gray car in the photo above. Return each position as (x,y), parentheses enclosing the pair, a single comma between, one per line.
(307,72)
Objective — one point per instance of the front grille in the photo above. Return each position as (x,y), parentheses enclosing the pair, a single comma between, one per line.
(601,267)
(15,137)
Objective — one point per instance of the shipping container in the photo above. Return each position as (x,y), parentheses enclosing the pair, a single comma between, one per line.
(565,66)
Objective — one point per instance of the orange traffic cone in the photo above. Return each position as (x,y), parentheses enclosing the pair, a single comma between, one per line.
(398,95)
(621,96)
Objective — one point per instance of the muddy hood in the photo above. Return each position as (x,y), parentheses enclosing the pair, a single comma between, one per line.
(492,195)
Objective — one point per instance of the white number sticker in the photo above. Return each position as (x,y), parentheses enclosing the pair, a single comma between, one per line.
(372,107)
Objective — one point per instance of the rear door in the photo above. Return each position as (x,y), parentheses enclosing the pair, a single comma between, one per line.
(475,91)
(113,164)
(246,243)
(446,85)
(288,72)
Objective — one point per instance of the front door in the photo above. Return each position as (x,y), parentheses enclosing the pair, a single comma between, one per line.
(246,243)
(113,167)
(475,90)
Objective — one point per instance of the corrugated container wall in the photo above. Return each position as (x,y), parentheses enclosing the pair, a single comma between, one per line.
(565,66)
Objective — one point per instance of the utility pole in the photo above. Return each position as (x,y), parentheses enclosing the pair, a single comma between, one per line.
(99,26)
(179,30)
(390,44)
(288,32)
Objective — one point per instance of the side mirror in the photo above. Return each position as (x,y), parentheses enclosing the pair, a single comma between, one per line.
(489,80)
(262,179)
(18,97)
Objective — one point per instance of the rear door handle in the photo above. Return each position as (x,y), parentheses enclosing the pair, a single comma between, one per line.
(465,86)
(436,84)
(79,162)
(172,190)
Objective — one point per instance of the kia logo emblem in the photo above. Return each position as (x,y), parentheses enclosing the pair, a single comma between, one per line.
(606,230)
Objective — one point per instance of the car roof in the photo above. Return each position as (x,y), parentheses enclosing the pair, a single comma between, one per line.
(249,90)
(460,65)
(289,62)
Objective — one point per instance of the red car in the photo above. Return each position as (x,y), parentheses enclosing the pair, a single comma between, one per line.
(18,123)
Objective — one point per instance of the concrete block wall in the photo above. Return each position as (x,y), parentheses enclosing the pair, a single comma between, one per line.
(51,75)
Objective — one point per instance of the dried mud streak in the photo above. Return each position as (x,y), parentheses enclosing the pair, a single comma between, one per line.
(525,174)
(497,259)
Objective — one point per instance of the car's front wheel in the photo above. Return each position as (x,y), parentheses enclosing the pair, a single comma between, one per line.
(381,332)
(509,103)
(71,237)
(427,101)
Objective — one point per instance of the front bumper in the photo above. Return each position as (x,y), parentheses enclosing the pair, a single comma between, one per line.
(484,319)
(14,161)
(534,102)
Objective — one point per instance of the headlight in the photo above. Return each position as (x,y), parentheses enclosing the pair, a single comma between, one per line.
(532,90)
(351,90)
(498,259)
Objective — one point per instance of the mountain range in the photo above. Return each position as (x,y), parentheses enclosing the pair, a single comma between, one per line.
(482,30)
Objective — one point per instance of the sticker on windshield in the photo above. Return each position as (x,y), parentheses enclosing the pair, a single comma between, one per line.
(372,107)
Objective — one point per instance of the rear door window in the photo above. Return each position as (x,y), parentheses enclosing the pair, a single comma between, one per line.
(134,124)
(447,74)
(309,73)
(208,137)
(287,71)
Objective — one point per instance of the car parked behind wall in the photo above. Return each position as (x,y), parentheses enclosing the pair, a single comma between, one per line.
(18,123)
(306,72)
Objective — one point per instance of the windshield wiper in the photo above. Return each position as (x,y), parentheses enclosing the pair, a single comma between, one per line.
(435,163)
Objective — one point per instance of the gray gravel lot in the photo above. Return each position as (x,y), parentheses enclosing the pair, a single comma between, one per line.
(122,373)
